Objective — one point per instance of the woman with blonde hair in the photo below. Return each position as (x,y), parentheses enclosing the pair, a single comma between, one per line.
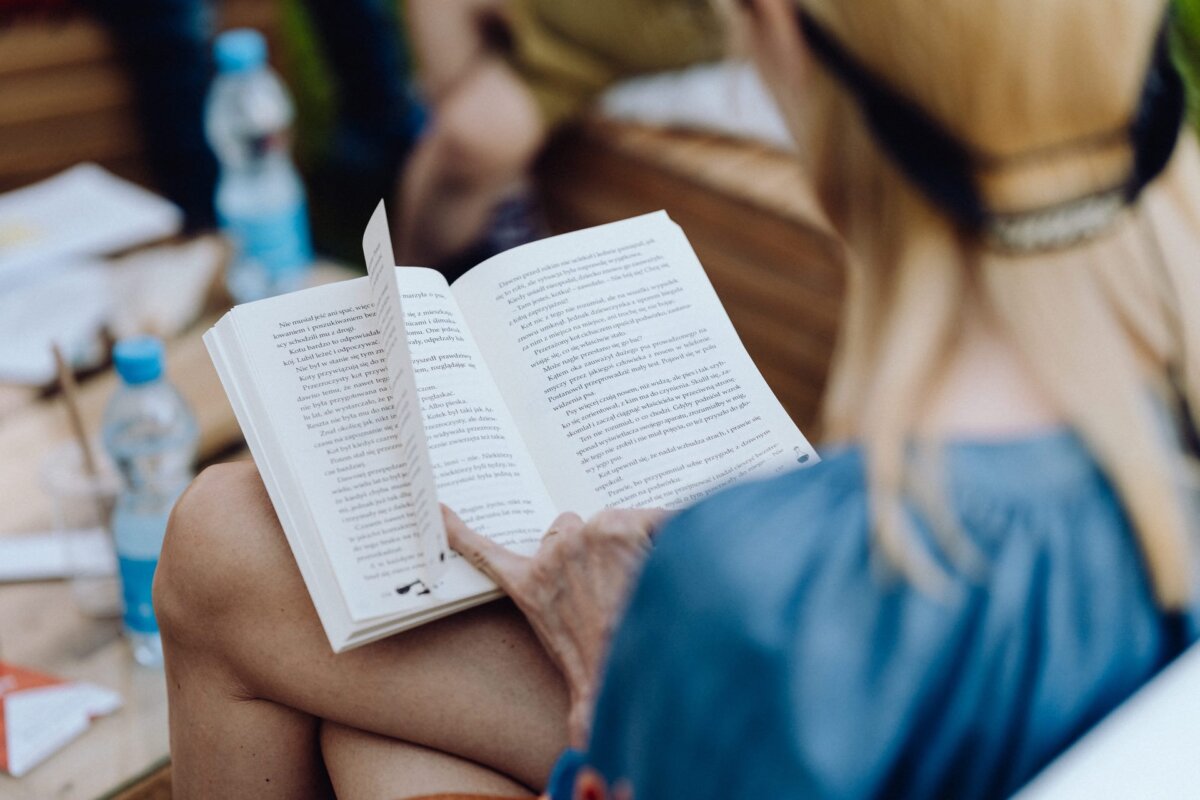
(997,550)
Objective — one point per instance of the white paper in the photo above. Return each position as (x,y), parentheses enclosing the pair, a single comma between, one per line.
(56,554)
(39,722)
(625,377)
(325,424)
(1147,747)
(599,364)
(84,211)
(385,295)
(726,98)
(68,307)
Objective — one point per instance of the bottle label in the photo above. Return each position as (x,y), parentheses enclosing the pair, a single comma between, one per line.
(137,580)
(279,242)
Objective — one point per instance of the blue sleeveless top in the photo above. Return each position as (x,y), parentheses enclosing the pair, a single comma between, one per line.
(768,653)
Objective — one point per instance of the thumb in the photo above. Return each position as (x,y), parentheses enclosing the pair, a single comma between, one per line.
(495,561)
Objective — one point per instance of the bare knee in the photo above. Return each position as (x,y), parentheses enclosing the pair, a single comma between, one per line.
(215,548)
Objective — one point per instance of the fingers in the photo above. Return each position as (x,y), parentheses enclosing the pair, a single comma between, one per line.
(633,522)
(651,519)
(563,523)
(568,523)
(506,568)
(500,564)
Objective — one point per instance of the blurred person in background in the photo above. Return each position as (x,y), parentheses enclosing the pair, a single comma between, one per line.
(500,77)
(998,549)
(166,46)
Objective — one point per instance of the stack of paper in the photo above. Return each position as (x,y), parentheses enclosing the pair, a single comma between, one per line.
(53,284)
(85,211)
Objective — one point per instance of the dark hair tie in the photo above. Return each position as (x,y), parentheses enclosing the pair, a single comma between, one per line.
(943,167)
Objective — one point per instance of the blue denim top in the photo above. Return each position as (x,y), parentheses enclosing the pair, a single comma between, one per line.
(769,653)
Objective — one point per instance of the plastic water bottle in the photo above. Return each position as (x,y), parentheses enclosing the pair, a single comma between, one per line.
(260,200)
(150,433)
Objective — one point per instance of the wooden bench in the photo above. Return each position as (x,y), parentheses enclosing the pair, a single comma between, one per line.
(751,219)
(67,100)
(750,216)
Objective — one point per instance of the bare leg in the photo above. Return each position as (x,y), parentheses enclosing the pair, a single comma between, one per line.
(249,670)
(364,766)
(485,132)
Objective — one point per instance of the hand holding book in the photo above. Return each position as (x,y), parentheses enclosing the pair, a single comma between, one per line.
(592,370)
(572,590)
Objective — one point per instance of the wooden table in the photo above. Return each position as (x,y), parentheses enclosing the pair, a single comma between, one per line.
(758,232)
(39,625)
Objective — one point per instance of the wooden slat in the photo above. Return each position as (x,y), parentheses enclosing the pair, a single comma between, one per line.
(792,357)
(773,289)
(594,180)
(801,397)
(768,254)
(131,167)
(46,44)
(781,341)
(52,145)
(737,170)
(156,787)
(64,97)
(260,14)
(28,47)
(63,92)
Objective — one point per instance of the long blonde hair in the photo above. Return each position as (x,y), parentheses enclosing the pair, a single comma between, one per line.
(1101,325)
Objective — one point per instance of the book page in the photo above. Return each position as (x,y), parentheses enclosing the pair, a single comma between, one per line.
(622,370)
(416,465)
(317,361)
(483,469)
(274,464)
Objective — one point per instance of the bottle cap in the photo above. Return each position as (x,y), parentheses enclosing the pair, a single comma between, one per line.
(138,360)
(239,50)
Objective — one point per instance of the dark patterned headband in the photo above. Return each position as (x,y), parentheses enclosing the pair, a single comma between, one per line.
(944,167)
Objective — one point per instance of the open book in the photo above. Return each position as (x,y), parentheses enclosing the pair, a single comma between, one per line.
(590,370)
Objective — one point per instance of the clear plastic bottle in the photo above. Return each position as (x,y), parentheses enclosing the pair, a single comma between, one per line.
(260,201)
(151,434)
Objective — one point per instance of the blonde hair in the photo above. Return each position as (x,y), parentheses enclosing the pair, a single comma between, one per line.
(1100,325)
